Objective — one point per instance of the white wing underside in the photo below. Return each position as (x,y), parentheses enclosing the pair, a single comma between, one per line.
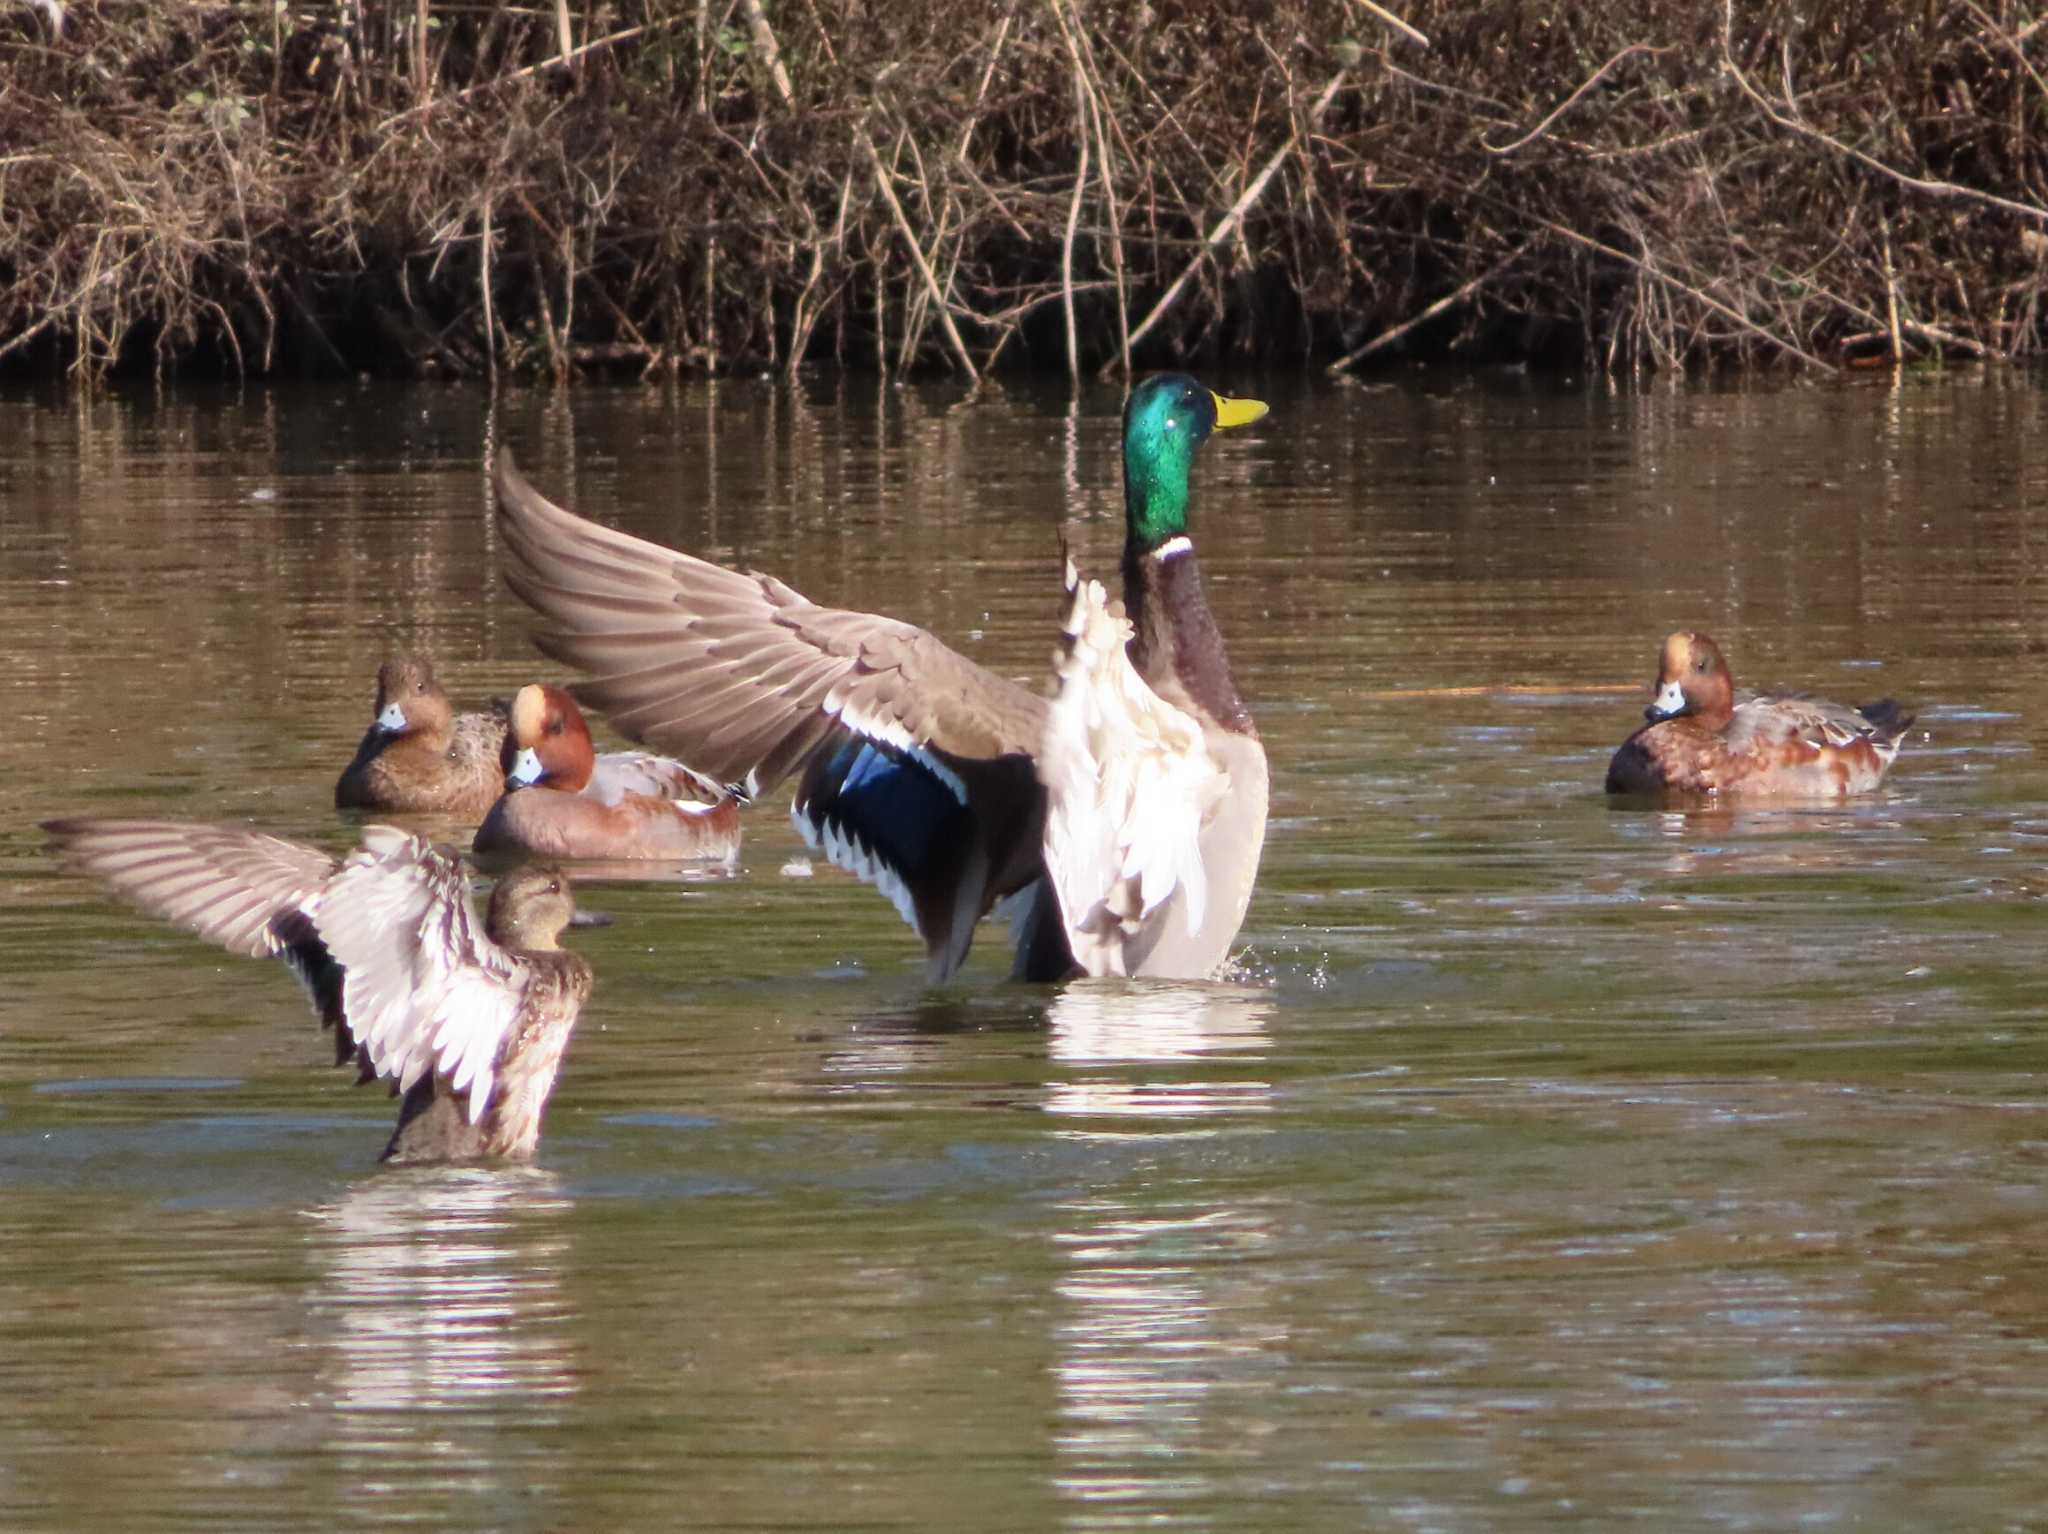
(425,989)
(1129,783)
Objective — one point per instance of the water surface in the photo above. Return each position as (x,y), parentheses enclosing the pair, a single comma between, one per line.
(1558,1164)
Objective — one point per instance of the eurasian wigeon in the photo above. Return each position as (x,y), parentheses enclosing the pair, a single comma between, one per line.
(564,800)
(1702,739)
(419,756)
(469,1025)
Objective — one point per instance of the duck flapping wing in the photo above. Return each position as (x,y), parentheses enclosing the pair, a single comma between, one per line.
(424,987)
(738,674)
(253,894)
(236,888)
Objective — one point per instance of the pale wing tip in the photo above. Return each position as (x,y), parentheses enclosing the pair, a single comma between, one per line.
(520,505)
(381,837)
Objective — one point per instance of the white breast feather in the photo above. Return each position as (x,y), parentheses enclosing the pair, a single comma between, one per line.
(1129,784)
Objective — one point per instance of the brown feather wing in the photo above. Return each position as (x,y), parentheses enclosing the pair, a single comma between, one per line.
(254,895)
(1815,721)
(738,674)
(230,887)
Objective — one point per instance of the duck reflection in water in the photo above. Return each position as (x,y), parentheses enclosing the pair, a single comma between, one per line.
(1166,1339)
(441,1288)
(1107,1025)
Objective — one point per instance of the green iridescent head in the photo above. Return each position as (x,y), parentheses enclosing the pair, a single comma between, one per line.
(1168,417)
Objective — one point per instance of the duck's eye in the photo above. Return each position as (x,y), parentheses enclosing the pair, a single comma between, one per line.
(554,727)
(1700,665)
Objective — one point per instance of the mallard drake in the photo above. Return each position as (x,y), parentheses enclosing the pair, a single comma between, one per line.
(469,1025)
(419,756)
(562,799)
(921,771)
(1701,738)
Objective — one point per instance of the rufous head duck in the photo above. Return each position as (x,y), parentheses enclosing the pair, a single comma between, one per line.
(1692,678)
(548,744)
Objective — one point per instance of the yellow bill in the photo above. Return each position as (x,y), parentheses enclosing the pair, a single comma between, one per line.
(1237,412)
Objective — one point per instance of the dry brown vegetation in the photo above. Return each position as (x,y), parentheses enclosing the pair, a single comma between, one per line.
(426,186)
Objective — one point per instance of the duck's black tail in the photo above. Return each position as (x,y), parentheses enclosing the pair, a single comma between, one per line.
(1889,722)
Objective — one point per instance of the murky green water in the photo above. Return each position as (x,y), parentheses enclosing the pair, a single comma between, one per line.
(1570,1166)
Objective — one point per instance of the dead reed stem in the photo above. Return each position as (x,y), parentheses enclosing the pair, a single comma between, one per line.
(1228,225)
(484,283)
(1704,299)
(939,183)
(1371,8)
(1786,115)
(1891,299)
(924,269)
(1450,300)
(1084,82)
(1073,223)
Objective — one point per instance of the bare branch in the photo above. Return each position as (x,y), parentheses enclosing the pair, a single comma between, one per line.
(1565,105)
(1792,124)
(1457,296)
(1705,299)
(1391,20)
(1227,225)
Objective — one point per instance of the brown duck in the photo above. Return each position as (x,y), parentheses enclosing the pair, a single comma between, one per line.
(419,756)
(1123,821)
(468,1024)
(564,800)
(1702,738)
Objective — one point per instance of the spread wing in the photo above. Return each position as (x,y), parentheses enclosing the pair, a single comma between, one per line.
(738,674)
(424,989)
(235,888)
(252,894)
(1129,785)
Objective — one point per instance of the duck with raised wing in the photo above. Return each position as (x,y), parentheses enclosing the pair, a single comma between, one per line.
(562,799)
(468,1021)
(419,756)
(921,771)
(1702,738)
